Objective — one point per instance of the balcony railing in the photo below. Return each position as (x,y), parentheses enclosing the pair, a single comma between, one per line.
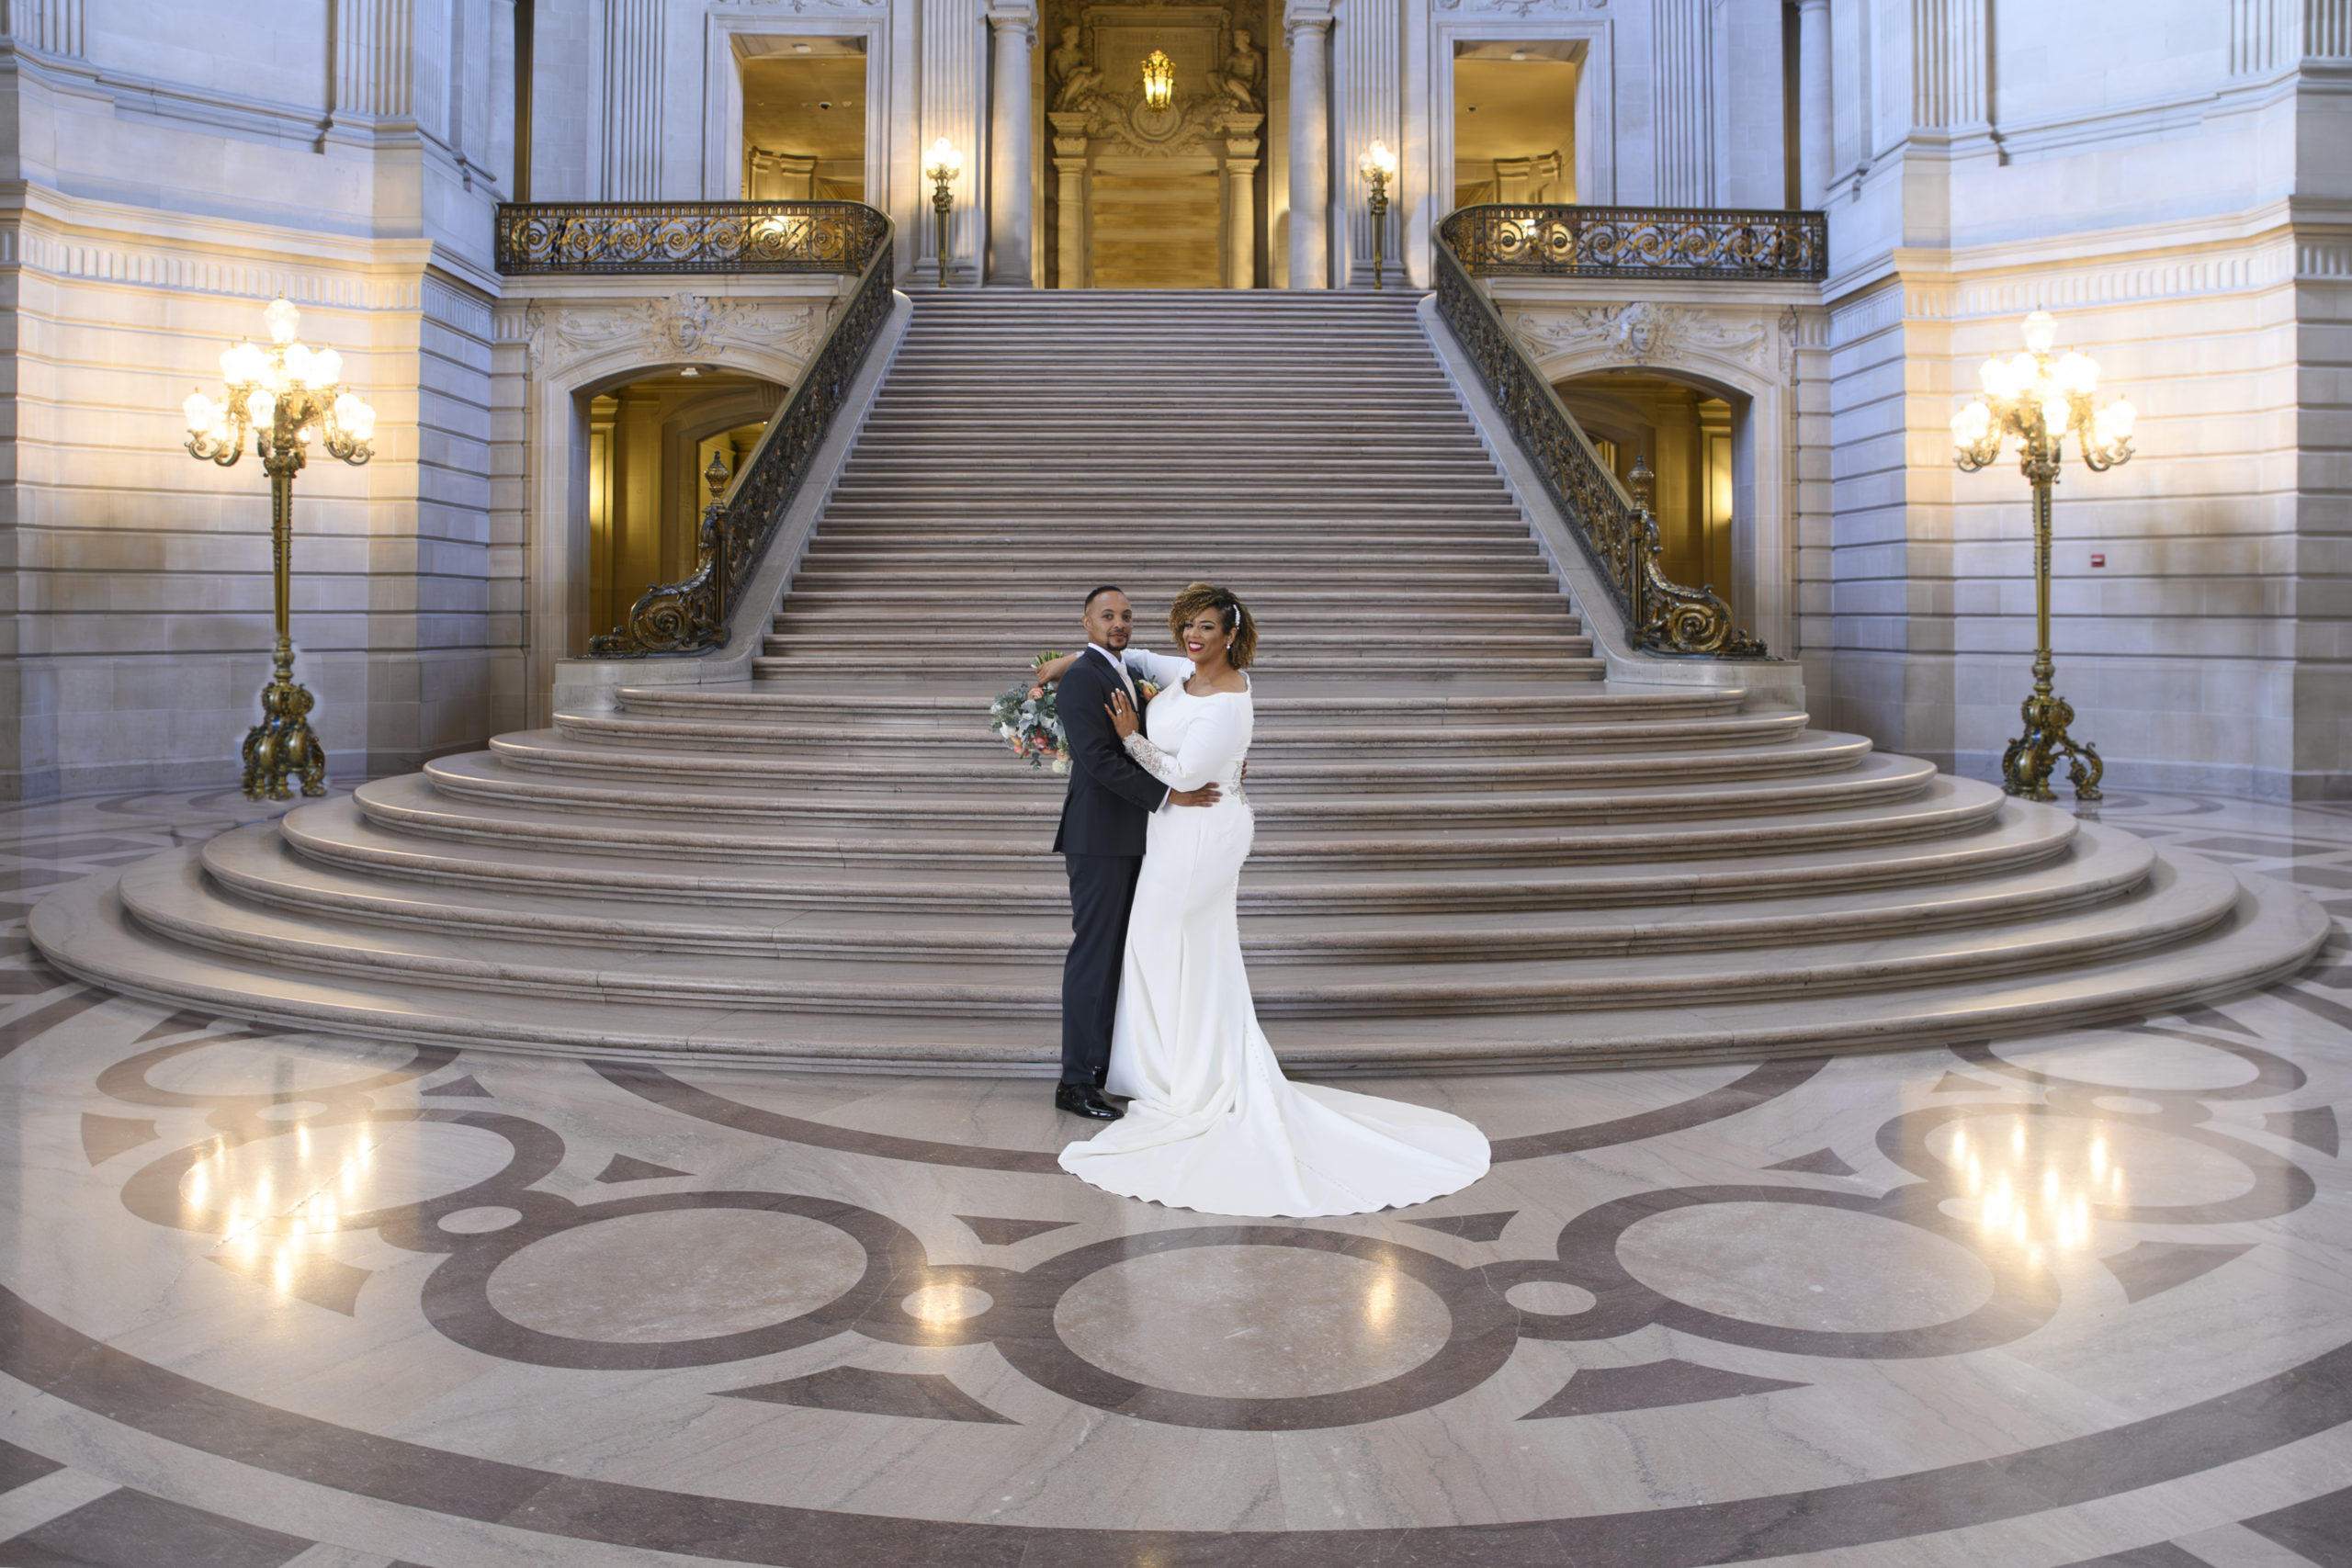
(1634,242)
(725,237)
(1618,535)
(689,236)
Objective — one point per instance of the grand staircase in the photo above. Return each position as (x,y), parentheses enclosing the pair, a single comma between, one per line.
(1473,851)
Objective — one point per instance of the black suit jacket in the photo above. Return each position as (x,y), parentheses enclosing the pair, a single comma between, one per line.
(1110,796)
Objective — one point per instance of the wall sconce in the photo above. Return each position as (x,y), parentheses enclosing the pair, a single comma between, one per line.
(1159,79)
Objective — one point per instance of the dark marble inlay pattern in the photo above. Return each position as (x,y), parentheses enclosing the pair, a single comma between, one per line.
(2321,1529)
(2314,1126)
(628,1167)
(2156,1266)
(1470,1228)
(2163,1554)
(19,1466)
(1821,1162)
(313,1277)
(1009,1233)
(1597,1391)
(130,1530)
(925,1396)
(103,1137)
(460,1089)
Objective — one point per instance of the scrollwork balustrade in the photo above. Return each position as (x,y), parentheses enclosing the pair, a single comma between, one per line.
(1618,536)
(688,236)
(1635,242)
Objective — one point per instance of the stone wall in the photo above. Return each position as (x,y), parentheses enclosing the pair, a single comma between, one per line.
(171,171)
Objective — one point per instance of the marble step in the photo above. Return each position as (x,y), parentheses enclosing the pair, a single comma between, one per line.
(2269,931)
(1532,668)
(258,866)
(1069,580)
(885,606)
(1879,797)
(2173,901)
(877,787)
(1973,834)
(1317,561)
(1297,651)
(896,700)
(1273,747)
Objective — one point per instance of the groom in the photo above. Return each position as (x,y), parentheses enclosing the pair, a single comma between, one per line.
(1111,800)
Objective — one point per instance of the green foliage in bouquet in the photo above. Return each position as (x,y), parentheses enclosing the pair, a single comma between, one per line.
(1026,719)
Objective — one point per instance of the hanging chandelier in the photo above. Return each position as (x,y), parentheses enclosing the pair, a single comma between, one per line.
(1158,80)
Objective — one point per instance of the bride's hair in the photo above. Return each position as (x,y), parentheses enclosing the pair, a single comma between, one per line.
(1232,615)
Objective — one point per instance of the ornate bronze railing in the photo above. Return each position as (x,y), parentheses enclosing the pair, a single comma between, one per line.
(689,236)
(691,617)
(1635,242)
(1619,536)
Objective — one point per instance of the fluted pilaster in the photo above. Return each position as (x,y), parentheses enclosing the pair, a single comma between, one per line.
(632,100)
(1015,30)
(1308,30)
(1682,60)
(953,34)
(52,26)
(1815,130)
(1369,88)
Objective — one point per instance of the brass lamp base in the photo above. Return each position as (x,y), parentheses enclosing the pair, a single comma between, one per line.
(2030,759)
(281,746)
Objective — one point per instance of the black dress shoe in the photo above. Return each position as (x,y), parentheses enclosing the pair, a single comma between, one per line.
(1085,1100)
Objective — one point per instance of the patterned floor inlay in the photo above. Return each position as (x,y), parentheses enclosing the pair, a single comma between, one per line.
(273,1298)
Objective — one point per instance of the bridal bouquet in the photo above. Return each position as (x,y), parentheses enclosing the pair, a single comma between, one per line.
(1025,718)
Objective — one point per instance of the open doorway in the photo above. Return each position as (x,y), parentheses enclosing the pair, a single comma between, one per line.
(1688,439)
(804,118)
(650,446)
(1514,121)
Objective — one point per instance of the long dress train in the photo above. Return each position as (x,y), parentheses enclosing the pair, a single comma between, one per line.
(1214,1124)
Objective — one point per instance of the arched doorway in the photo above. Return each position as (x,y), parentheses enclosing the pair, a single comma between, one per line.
(1690,437)
(650,444)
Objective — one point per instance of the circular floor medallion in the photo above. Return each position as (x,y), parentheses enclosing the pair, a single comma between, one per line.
(676,1274)
(1252,1322)
(1799,1266)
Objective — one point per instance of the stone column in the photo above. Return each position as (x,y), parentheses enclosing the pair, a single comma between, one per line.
(1241,144)
(1009,155)
(1070,199)
(1309,29)
(1814,130)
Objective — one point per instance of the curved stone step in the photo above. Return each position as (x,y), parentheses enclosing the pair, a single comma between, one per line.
(256,864)
(1945,834)
(168,895)
(1274,744)
(978,781)
(947,837)
(2270,931)
(1533,668)
(1295,707)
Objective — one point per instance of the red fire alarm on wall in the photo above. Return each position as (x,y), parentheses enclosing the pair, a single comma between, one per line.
(2098,561)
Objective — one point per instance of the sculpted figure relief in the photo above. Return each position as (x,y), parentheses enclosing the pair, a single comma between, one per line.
(1238,80)
(1077,81)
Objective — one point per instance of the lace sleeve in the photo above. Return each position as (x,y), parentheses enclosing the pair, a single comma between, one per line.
(1150,758)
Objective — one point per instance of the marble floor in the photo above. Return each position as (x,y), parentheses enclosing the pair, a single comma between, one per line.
(269,1298)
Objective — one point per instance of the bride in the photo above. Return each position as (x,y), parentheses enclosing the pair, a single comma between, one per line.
(1212,1124)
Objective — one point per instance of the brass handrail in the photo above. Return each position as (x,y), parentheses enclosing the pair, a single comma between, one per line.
(1617,535)
(688,236)
(691,617)
(1640,242)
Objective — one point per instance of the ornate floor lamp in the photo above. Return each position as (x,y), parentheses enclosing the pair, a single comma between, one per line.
(288,395)
(944,165)
(1378,166)
(2038,400)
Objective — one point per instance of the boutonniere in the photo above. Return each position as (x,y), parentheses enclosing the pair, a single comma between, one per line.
(1147,688)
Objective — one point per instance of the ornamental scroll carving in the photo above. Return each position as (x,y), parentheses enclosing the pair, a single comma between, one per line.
(681,326)
(1645,332)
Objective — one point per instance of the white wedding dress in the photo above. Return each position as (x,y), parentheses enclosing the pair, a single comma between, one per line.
(1213,1124)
